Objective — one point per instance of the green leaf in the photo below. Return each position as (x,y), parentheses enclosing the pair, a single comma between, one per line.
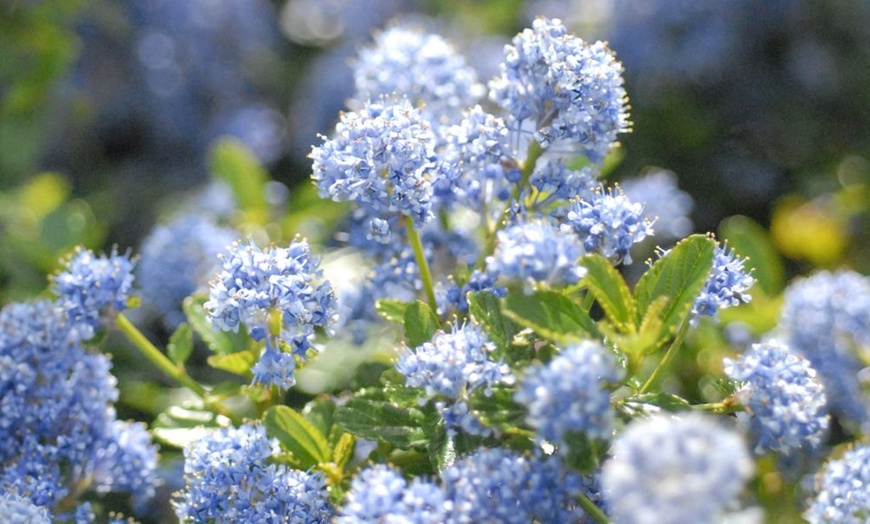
(751,241)
(234,163)
(420,323)
(679,276)
(180,344)
(239,363)
(665,401)
(610,290)
(297,435)
(368,415)
(485,308)
(392,310)
(219,342)
(497,410)
(321,414)
(343,451)
(550,314)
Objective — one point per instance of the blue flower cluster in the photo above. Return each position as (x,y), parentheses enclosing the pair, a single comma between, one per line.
(59,431)
(726,286)
(90,285)
(666,469)
(569,90)
(255,285)
(380,494)
(569,394)
(15,509)
(554,183)
(843,490)
(665,203)
(536,251)
(177,259)
(420,66)
(229,479)
(826,318)
(449,368)
(608,223)
(786,402)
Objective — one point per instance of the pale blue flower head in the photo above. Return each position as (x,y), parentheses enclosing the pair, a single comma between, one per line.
(498,485)
(843,490)
(608,223)
(664,203)
(666,469)
(381,157)
(572,92)
(826,318)
(569,394)
(422,67)
(15,509)
(727,284)
(786,404)
(536,251)
(228,479)
(380,494)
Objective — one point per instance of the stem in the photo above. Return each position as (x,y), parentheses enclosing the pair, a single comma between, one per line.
(422,263)
(156,356)
(592,510)
(588,299)
(672,351)
(729,405)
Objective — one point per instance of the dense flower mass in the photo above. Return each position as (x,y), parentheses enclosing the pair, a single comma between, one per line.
(382,157)
(228,479)
(422,67)
(380,494)
(451,366)
(842,490)
(536,251)
(58,429)
(674,470)
(177,259)
(15,509)
(256,284)
(785,399)
(664,203)
(90,285)
(826,318)
(727,284)
(571,91)
(609,224)
(569,394)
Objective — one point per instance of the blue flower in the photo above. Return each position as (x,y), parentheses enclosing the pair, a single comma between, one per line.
(382,157)
(256,284)
(449,368)
(421,67)
(785,400)
(666,469)
(569,393)
(608,223)
(536,251)
(826,318)
(90,285)
(381,494)
(178,258)
(664,203)
(498,485)
(555,183)
(571,91)
(228,479)
(843,490)
(726,285)
(127,461)
(15,509)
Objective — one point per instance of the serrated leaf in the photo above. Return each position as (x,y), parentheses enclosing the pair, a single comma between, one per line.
(679,275)
(374,418)
(610,290)
(180,344)
(420,323)
(234,163)
(498,410)
(550,314)
(321,414)
(218,341)
(343,451)
(297,435)
(750,240)
(392,310)
(665,401)
(485,308)
(238,363)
